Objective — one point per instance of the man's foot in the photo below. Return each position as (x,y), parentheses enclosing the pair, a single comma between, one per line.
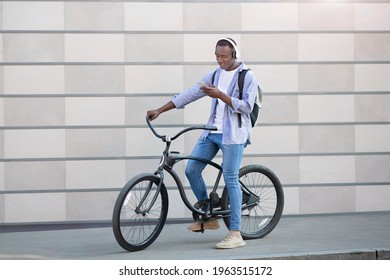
(232,240)
(211,223)
(202,204)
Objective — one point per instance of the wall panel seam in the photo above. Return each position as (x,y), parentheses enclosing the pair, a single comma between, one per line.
(156,157)
(144,95)
(174,188)
(69,127)
(194,32)
(295,62)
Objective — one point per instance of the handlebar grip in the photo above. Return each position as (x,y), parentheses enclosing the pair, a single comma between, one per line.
(152,129)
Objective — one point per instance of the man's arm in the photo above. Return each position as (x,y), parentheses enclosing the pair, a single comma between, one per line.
(153,114)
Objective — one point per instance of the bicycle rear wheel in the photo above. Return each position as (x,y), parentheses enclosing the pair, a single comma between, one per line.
(139,212)
(262,201)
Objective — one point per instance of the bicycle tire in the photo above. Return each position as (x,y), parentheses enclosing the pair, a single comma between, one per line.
(133,229)
(259,220)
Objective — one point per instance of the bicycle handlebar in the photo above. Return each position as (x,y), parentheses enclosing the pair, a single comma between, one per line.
(164,138)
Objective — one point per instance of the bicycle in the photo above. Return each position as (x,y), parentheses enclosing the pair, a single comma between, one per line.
(141,207)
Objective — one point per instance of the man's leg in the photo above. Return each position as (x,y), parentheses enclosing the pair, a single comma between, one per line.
(232,156)
(207,149)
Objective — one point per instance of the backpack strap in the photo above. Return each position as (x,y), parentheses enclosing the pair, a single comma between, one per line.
(241,78)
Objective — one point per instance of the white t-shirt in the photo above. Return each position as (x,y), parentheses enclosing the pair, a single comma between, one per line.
(224,82)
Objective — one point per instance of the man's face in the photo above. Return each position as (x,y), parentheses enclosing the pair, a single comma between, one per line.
(224,57)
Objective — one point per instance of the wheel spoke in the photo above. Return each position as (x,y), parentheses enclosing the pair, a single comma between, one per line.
(137,226)
(257,220)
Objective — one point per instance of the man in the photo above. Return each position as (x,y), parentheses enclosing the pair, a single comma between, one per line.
(231,137)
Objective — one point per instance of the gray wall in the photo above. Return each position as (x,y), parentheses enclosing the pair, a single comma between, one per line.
(78,77)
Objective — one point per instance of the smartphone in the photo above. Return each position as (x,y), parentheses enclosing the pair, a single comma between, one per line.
(202,84)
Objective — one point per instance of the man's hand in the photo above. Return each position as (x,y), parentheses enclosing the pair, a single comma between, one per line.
(212,91)
(153,114)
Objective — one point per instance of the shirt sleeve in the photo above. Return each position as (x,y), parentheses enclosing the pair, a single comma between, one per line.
(191,94)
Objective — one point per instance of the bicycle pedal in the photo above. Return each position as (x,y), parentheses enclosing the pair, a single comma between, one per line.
(199,230)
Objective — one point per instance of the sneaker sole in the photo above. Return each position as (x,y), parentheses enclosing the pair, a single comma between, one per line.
(199,230)
(233,247)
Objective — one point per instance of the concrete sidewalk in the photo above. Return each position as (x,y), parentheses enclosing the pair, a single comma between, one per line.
(351,236)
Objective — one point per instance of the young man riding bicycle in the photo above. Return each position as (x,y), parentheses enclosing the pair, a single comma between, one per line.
(230,114)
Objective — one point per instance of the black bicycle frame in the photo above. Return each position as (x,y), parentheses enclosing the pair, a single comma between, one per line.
(169,159)
(167,164)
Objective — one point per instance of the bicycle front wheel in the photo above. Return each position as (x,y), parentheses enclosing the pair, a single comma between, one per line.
(140,212)
(262,201)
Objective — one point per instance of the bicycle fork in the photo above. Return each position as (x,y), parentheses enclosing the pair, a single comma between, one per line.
(146,195)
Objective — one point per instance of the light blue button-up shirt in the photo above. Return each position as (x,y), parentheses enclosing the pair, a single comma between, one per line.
(232,132)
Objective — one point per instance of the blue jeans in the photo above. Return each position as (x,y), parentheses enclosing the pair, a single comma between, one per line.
(231,157)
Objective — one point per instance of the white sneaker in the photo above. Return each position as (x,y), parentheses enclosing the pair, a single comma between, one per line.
(232,240)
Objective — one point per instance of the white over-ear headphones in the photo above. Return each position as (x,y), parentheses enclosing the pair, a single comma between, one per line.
(236,52)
